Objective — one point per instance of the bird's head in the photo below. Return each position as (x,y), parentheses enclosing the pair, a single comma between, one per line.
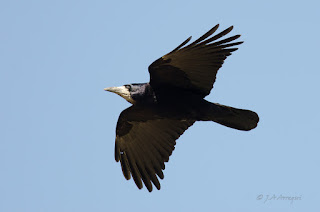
(129,92)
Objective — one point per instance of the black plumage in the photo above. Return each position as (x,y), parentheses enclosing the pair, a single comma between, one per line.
(170,103)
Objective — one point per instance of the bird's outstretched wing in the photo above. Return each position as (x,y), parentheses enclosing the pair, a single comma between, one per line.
(193,67)
(144,141)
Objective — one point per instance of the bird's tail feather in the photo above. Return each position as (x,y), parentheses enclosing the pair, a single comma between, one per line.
(233,117)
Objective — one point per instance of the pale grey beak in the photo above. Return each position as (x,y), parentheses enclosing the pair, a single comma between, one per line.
(121,91)
(113,89)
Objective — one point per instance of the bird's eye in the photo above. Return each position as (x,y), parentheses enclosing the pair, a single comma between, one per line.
(128,87)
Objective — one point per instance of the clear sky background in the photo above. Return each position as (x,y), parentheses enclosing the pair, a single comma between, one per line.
(58,125)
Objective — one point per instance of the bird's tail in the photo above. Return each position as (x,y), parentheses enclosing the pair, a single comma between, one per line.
(233,117)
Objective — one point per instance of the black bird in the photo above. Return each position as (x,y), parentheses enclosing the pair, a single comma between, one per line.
(171,102)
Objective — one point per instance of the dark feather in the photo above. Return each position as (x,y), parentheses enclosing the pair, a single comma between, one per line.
(193,67)
(148,143)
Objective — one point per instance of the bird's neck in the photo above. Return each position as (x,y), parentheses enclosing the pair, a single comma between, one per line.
(145,95)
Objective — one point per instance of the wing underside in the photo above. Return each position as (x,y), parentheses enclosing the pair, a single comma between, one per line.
(144,142)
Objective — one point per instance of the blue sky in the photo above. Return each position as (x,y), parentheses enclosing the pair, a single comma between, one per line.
(58,125)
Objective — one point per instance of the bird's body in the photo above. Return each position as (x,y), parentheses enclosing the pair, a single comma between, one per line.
(171,102)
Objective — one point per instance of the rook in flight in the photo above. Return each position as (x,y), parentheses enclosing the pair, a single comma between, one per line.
(172,101)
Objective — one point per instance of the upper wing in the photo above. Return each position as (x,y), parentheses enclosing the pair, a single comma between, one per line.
(144,141)
(193,67)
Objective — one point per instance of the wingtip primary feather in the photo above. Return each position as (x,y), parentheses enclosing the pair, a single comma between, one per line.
(217,36)
(205,36)
(134,171)
(182,44)
(125,166)
(117,152)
